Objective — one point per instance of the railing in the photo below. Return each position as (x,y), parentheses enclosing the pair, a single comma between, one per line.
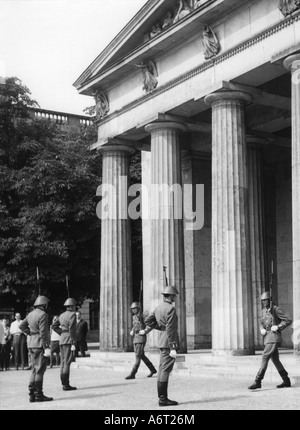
(61,118)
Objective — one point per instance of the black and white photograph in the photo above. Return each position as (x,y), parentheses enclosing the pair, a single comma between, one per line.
(149,207)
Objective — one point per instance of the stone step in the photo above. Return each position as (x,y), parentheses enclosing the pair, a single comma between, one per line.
(197,364)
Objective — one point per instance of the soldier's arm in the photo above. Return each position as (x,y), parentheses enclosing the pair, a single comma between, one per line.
(171,328)
(285,320)
(73,328)
(44,330)
(56,327)
(24,326)
(151,323)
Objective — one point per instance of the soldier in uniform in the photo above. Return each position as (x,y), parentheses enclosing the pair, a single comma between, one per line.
(139,341)
(36,326)
(66,327)
(164,319)
(273,321)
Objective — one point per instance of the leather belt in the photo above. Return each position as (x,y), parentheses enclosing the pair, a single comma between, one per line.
(65,331)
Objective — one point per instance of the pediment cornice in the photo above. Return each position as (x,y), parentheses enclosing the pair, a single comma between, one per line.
(133,43)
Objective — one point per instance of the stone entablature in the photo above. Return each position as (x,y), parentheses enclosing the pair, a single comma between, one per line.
(242,29)
(207,77)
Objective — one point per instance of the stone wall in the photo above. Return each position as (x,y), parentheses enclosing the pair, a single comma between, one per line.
(198,260)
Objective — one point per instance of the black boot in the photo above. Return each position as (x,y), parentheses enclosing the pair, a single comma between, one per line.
(66,384)
(31,395)
(152,372)
(131,375)
(286,380)
(39,395)
(162,389)
(257,383)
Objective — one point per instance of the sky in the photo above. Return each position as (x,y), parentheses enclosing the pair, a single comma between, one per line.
(47,44)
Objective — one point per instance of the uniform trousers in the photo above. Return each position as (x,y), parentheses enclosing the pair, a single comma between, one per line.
(38,366)
(271,352)
(166,365)
(66,360)
(140,356)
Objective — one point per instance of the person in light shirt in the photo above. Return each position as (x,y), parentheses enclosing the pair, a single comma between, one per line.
(5,345)
(54,345)
(19,342)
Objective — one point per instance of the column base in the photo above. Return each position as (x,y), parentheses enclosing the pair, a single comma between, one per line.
(233,352)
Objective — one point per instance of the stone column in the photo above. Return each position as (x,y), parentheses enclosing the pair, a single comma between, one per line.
(257,231)
(232,313)
(116,270)
(167,218)
(292,63)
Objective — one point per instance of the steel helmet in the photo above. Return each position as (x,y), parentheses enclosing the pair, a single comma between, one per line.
(41,300)
(265,296)
(135,305)
(70,302)
(170,290)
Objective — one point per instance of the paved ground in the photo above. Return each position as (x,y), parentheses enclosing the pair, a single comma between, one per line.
(109,391)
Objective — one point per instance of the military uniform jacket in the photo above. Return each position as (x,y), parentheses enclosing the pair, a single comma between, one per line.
(37,327)
(66,327)
(277,317)
(165,319)
(138,324)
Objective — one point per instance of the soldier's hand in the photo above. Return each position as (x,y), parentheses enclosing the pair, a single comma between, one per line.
(263,331)
(274,328)
(131,333)
(142,332)
(173,353)
(73,348)
(47,352)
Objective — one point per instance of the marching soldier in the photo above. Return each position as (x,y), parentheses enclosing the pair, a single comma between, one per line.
(164,319)
(36,326)
(273,321)
(139,341)
(66,327)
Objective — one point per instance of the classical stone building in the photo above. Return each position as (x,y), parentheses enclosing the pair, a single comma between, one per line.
(209,92)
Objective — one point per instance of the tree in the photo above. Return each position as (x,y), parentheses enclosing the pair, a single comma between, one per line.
(48,182)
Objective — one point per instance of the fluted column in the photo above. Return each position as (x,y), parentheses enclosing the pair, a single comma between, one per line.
(257,231)
(116,271)
(232,313)
(292,63)
(166,218)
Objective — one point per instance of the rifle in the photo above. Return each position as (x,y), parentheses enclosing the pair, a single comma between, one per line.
(271,281)
(271,292)
(141,297)
(166,279)
(67,286)
(38,279)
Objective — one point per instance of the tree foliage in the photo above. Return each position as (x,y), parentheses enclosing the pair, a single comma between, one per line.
(48,180)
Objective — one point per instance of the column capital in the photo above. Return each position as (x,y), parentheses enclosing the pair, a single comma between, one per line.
(162,125)
(218,96)
(292,62)
(116,146)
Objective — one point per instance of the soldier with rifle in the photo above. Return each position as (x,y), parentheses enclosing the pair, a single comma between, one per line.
(165,319)
(139,339)
(273,321)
